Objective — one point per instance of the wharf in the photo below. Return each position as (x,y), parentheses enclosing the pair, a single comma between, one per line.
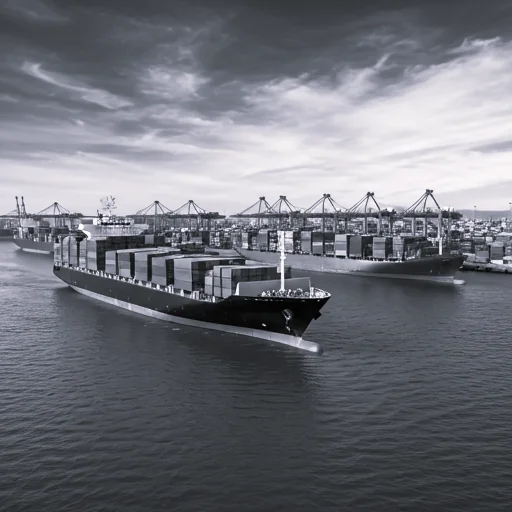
(497,268)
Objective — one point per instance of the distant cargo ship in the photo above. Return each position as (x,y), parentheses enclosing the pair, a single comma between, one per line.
(40,238)
(37,240)
(216,293)
(363,255)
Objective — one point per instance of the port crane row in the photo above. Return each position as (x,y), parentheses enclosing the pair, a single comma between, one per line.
(325,209)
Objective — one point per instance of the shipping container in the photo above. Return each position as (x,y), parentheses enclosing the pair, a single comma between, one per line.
(189,273)
(342,245)
(382,247)
(143,262)
(360,246)
(162,269)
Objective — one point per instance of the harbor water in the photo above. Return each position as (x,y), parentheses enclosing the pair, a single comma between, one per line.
(409,407)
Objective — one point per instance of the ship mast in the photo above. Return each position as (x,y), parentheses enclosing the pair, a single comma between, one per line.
(282,258)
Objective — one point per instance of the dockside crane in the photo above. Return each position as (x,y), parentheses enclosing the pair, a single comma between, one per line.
(18,208)
(57,212)
(23,209)
(419,209)
(283,209)
(258,210)
(363,209)
(190,211)
(158,211)
(325,207)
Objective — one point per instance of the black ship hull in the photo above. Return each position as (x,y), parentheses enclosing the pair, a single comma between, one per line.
(278,319)
(37,247)
(438,268)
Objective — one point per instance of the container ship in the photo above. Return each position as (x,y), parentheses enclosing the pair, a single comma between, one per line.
(224,294)
(38,239)
(397,257)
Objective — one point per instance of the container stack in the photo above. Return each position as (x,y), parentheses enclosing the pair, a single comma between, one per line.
(317,238)
(82,254)
(216,239)
(245,240)
(126,261)
(273,240)
(262,240)
(382,247)
(296,242)
(144,265)
(504,237)
(288,242)
(111,262)
(162,269)
(65,249)
(73,252)
(482,254)
(57,252)
(329,238)
(236,238)
(467,246)
(497,251)
(399,245)
(227,277)
(306,246)
(189,273)
(341,245)
(253,240)
(249,239)
(205,236)
(96,253)
(360,246)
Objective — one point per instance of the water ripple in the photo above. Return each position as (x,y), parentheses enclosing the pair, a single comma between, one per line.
(408,408)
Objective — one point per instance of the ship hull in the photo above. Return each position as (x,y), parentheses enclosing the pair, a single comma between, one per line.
(258,317)
(32,246)
(437,268)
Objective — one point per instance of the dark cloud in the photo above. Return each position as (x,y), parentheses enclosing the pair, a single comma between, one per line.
(226,100)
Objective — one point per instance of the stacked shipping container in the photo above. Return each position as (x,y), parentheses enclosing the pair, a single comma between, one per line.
(223,280)
(306,242)
(189,273)
(341,245)
(143,262)
(382,247)
(82,254)
(328,243)
(317,245)
(360,246)
(497,251)
(126,261)
(162,270)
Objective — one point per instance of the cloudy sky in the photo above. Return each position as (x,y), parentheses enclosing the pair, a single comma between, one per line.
(222,101)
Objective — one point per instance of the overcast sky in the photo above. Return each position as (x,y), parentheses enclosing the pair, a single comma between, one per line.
(224,101)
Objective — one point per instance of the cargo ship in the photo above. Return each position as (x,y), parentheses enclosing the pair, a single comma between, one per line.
(211,292)
(396,257)
(38,239)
